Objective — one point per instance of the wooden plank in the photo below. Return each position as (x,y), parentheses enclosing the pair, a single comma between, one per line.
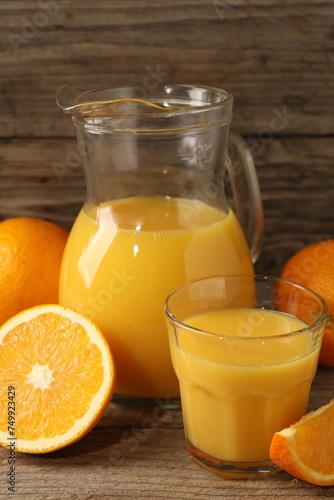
(32,186)
(140,453)
(297,185)
(270,56)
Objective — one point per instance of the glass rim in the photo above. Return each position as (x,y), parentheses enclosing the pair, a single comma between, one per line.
(265,278)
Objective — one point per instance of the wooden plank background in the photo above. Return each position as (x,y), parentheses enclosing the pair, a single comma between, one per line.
(276,57)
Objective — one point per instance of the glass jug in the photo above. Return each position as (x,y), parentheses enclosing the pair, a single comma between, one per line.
(155,216)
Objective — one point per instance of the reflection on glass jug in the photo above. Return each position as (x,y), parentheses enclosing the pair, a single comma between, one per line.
(155,216)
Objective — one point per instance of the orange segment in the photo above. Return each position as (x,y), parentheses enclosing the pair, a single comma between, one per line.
(306,448)
(61,374)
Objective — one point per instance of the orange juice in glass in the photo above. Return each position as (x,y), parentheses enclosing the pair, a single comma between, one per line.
(155,216)
(245,365)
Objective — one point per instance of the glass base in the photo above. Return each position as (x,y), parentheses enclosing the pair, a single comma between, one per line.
(150,403)
(233,470)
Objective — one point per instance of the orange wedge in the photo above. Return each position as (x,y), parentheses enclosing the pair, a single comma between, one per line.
(306,448)
(57,377)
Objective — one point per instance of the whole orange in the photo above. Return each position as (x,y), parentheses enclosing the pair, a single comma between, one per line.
(31,250)
(313,266)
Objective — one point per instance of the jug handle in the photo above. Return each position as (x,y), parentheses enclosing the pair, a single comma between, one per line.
(246,192)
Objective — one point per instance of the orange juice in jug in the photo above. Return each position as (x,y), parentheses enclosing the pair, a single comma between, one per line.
(122,260)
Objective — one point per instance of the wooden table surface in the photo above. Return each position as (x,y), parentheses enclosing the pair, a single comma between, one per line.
(277,59)
(140,453)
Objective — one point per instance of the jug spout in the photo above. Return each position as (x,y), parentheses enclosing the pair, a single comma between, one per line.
(67,98)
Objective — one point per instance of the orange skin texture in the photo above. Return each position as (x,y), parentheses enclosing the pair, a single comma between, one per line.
(313,267)
(31,251)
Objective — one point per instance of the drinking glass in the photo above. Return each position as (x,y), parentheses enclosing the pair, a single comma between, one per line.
(245,351)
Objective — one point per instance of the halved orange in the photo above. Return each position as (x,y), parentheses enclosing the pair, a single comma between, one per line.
(306,448)
(57,377)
